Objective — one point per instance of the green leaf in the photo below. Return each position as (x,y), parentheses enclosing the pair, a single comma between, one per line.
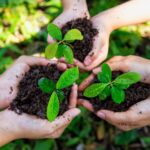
(118,95)
(68,54)
(105,75)
(72,35)
(54,31)
(51,50)
(127,79)
(60,52)
(94,89)
(68,78)
(53,107)
(60,95)
(46,85)
(106,92)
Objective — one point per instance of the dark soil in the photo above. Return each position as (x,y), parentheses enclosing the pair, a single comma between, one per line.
(31,99)
(82,48)
(134,94)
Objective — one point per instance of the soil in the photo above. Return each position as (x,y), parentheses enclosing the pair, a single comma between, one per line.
(134,94)
(82,48)
(30,99)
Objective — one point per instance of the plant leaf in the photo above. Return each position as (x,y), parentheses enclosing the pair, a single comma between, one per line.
(127,79)
(46,85)
(105,75)
(72,35)
(68,54)
(94,89)
(68,78)
(118,95)
(51,50)
(60,95)
(53,107)
(106,92)
(54,31)
(60,52)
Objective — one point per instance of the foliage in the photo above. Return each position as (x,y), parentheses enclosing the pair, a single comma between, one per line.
(55,89)
(62,48)
(107,86)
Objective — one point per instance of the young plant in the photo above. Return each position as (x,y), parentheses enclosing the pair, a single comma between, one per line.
(107,87)
(62,47)
(55,89)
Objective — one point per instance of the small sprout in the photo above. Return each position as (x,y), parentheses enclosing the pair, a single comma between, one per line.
(107,87)
(55,89)
(62,48)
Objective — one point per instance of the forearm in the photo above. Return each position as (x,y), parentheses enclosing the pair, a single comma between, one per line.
(73,4)
(6,135)
(132,12)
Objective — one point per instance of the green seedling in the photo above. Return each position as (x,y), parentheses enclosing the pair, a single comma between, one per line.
(62,47)
(108,87)
(55,90)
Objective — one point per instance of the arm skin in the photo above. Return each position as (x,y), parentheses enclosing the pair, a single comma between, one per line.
(72,4)
(129,13)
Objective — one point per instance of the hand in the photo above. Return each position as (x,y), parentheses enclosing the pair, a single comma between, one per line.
(10,79)
(14,126)
(100,43)
(138,115)
(77,9)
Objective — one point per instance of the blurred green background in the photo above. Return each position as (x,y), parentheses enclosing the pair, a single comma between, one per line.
(23,31)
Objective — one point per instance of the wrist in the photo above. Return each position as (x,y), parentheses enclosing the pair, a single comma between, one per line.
(79,5)
(102,23)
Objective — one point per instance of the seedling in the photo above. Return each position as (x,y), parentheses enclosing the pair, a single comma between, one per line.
(107,87)
(55,90)
(62,47)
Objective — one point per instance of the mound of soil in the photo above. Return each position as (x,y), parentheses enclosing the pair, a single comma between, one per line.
(82,48)
(30,99)
(134,94)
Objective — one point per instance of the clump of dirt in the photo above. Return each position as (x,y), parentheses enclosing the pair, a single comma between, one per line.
(82,48)
(30,99)
(134,94)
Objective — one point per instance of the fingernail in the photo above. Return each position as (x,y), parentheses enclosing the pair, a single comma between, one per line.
(101,115)
(87,61)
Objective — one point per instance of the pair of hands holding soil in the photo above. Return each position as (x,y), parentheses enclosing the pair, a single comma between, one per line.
(14,126)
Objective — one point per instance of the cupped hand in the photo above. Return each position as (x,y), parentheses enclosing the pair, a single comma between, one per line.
(138,115)
(100,43)
(10,79)
(74,12)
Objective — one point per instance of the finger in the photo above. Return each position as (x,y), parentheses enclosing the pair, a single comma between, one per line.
(86,104)
(50,39)
(116,118)
(73,96)
(97,70)
(30,60)
(61,66)
(79,64)
(92,55)
(99,58)
(86,82)
(65,119)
